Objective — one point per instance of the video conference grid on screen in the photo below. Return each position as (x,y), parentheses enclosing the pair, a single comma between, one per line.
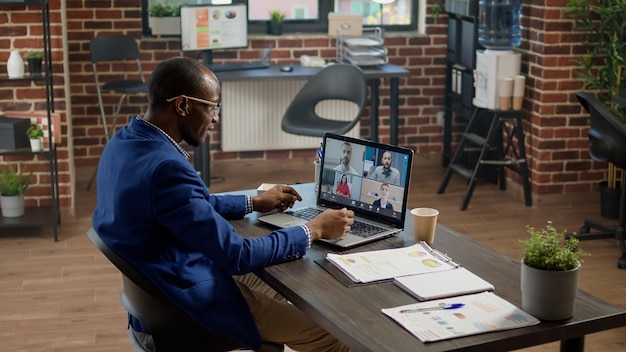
(365,177)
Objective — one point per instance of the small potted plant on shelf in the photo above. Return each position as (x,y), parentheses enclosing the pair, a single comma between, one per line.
(549,276)
(164,18)
(35,135)
(13,185)
(35,59)
(275,25)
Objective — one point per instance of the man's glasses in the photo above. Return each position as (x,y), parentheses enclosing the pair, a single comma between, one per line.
(214,109)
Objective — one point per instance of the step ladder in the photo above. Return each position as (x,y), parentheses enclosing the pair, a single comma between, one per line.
(502,146)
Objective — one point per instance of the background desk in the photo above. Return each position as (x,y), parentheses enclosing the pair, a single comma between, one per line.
(353,314)
(373,75)
(273,73)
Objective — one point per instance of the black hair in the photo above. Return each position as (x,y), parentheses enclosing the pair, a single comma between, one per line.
(173,77)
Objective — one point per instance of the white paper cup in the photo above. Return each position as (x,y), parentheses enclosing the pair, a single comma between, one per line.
(424,224)
(519,83)
(505,92)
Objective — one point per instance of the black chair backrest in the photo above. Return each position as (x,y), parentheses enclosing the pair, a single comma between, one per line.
(115,47)
(339,81)
(171,328)
(607,135)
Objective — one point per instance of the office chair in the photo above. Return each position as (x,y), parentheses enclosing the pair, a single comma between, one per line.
(113,49)
(607,143)
(338,81)
(171,328)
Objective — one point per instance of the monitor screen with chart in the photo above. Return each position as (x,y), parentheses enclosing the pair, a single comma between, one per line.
(210,27)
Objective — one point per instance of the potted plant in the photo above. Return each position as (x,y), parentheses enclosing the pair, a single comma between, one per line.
(34,58)
(12,188)
(164,18)
(35,135)
(275,25)
(549,274)
(603,71)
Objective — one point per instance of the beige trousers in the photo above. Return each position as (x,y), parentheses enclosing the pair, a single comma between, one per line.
(280,322)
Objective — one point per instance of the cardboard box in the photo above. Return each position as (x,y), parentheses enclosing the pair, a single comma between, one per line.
(351,25)
(13,133)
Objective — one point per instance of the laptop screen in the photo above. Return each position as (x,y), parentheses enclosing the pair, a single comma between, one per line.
(368,177)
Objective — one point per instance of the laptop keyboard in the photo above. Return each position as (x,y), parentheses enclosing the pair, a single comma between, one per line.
(359,228)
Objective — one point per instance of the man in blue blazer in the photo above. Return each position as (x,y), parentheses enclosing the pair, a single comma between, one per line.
(155,211)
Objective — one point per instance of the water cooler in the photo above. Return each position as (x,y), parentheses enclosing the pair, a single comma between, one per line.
(498,32)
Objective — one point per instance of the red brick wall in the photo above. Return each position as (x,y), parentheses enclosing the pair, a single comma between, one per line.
(555,127)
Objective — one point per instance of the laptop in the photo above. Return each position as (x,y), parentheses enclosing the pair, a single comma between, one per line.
(376,179)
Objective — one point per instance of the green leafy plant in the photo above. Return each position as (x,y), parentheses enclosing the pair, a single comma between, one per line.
(164,9)
(277,17)
(34,132)
(549,249)
(12,183)
(437,8)
(33,54)
(603,66)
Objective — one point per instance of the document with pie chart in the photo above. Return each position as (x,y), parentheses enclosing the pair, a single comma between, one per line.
(364,267)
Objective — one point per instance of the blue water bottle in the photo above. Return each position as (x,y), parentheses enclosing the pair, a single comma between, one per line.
(498,24)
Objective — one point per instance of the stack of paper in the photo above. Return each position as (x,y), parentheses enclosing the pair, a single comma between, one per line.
(390,263)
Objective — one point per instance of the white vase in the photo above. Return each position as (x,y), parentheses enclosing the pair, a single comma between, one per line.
(12,207)
(15,65)
(36,144)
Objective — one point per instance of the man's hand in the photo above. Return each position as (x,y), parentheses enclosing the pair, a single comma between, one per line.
(278,197)
(331,224)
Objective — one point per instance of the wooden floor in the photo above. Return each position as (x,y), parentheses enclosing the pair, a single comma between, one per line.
(63,296)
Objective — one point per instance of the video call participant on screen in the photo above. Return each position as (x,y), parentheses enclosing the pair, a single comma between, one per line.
(385,172)
(343,189)
(383,201)
(344,160)
(179,235)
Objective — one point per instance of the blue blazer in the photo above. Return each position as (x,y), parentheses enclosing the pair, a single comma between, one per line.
(155,211)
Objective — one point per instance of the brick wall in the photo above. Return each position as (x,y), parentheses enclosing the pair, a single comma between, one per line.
(555,124)
(555,127)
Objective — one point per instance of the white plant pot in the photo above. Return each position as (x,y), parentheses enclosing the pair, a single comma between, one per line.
(549,295)
(12,206)
(36,145)
(164,25)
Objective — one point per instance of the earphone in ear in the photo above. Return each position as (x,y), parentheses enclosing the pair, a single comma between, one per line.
(183,108)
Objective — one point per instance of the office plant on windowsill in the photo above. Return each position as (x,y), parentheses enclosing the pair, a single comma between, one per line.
(164,18)
(275,25)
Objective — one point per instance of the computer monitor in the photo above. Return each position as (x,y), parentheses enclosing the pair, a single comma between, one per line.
(209,27)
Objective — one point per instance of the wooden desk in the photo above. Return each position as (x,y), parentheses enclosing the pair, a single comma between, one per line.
(373,75)
(353,314)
